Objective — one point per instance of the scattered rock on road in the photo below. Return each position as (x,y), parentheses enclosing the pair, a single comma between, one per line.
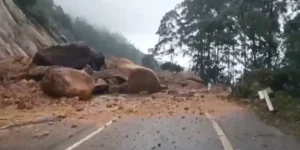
(79,107)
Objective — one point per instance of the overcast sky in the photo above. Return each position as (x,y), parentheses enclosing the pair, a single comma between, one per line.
(137,20)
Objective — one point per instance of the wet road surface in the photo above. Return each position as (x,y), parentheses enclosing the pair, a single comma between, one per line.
(243,130)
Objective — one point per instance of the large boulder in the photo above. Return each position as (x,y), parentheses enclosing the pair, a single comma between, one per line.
(74,55)
(37,72)
(139,79)
(68,82)
(143,79)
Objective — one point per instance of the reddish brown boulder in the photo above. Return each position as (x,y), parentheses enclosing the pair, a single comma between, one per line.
(67,82)
(143,79)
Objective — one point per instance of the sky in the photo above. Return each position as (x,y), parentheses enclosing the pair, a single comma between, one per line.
(137,20)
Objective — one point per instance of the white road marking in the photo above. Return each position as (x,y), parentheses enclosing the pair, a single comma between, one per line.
(225,142)
(88,136)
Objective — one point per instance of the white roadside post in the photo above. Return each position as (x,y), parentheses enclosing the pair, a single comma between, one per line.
(208,86)
(264,94)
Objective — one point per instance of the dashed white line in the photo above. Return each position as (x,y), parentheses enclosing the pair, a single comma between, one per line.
(88,136)
(225,142)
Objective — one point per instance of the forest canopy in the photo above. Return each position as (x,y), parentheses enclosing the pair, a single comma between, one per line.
(229,38)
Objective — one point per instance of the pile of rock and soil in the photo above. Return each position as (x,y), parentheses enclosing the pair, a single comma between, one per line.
(68,79)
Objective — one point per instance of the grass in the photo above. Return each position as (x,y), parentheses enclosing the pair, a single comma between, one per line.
(287,114)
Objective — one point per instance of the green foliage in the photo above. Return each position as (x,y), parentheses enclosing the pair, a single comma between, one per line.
(150,62)
(25,3)
(108,43)
(171,67)
(220,34)
(288,106)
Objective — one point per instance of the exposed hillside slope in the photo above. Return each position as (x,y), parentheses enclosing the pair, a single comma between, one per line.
(18,36)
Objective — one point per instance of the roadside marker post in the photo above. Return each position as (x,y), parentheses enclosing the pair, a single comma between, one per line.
(208,86)
(264,94)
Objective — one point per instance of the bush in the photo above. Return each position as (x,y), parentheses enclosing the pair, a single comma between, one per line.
(24,4)
(171,67)
(150,62)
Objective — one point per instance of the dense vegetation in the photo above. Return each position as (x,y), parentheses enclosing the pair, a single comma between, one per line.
(251,43)
(150,62)
(173,67)
(230,38)
(65,29)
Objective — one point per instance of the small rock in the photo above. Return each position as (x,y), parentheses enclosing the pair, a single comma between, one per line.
(202,96)
(211,111)
(120,107)
(173,92)
(120,98)
(144,93)
(31,81)
(28,106)
(24,81)
(76,98)
(186,108)
(7,102)
(21,105)
(79,107)
(185,94)
(41,135)
(130,110)
(62,116)
(63,99)
(180,99)
(74,126)
(109,105)
(81,117)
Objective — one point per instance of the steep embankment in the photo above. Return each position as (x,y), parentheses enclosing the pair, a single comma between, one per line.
(18,36)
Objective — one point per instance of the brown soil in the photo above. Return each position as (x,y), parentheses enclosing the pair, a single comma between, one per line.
(107,107)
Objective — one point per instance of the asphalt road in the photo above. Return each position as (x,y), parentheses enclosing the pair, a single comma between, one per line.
(242,131)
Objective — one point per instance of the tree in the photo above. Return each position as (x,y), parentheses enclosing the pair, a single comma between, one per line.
(150,62)
(25,3)
(219,34)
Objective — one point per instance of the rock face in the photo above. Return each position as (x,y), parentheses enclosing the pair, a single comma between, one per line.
(18,36)
(74,55)
(67,82)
